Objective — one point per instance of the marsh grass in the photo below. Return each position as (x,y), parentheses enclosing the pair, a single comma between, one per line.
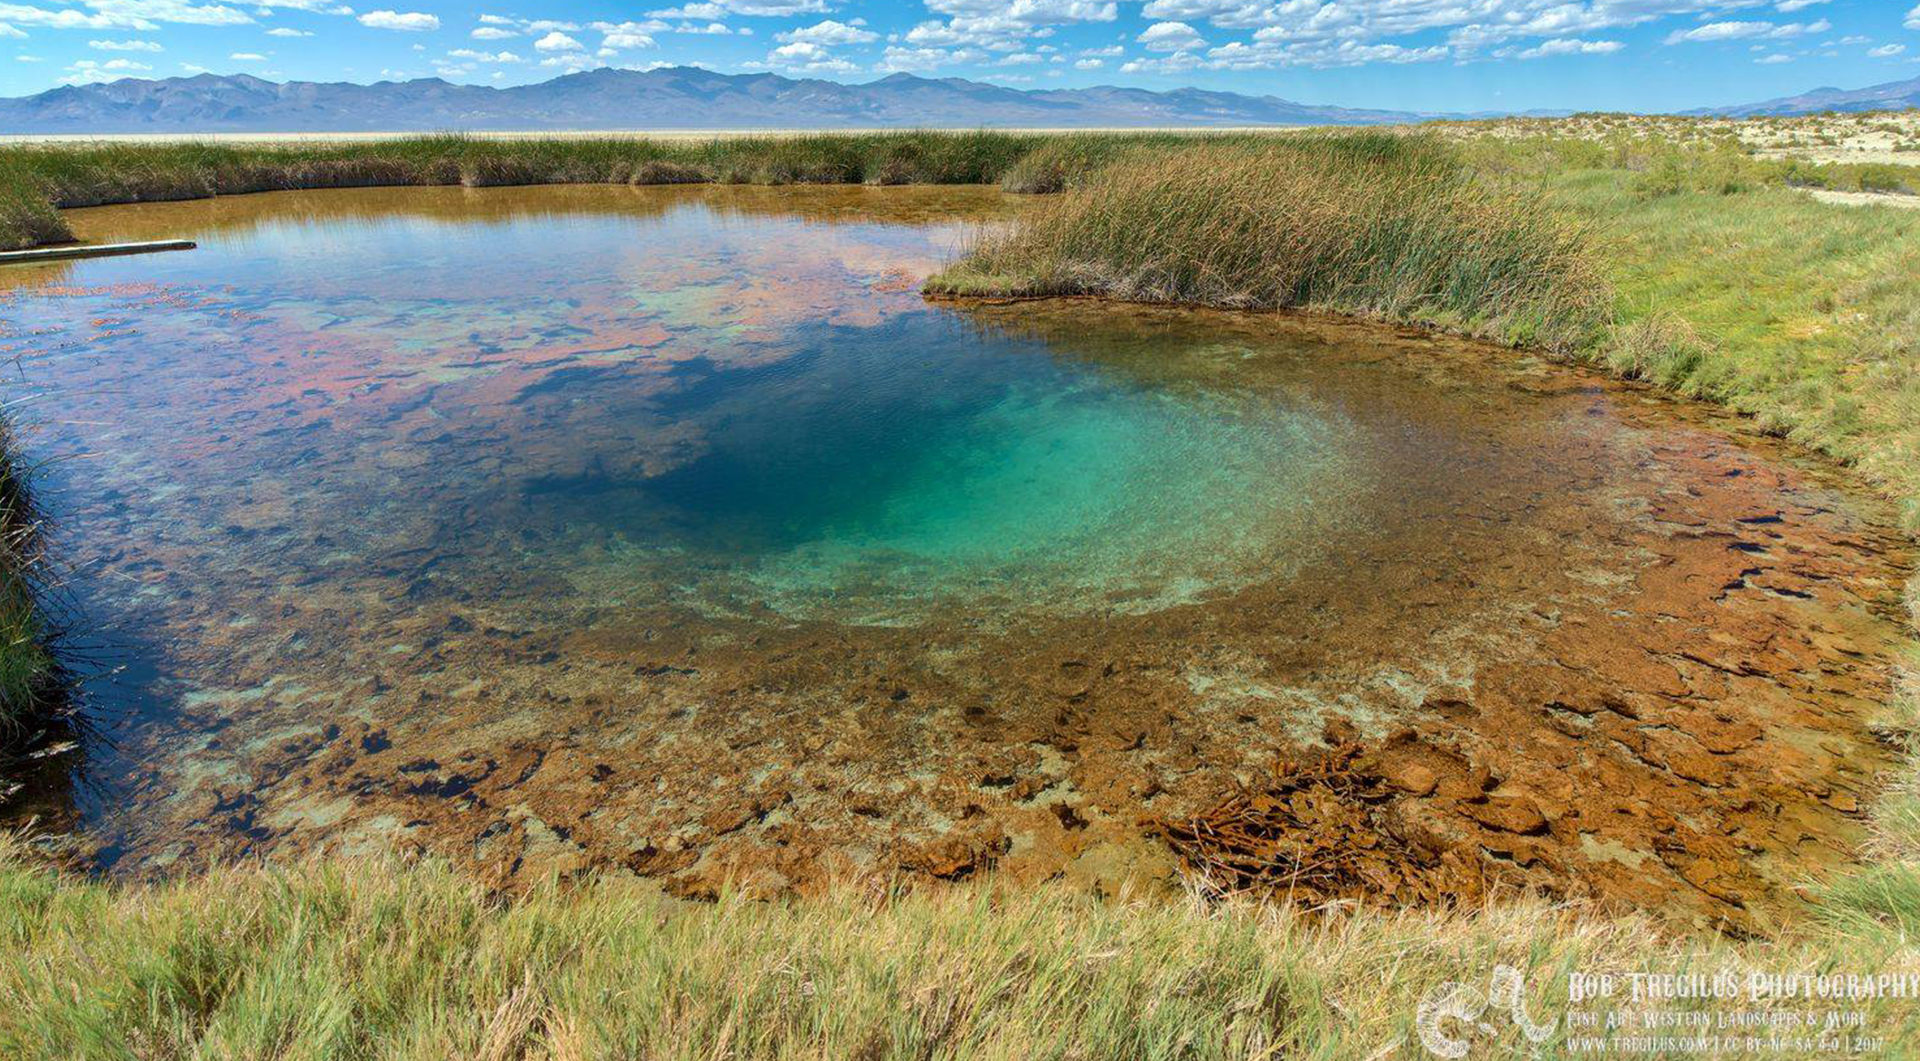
(38,180)
(1375,225)
(1801,314)
(1068,159)
(379,959)
(27,671)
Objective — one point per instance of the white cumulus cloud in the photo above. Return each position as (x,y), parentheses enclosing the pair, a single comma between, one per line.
(1729,31)
(558,42)
(411,21)
(828,31)
(1169,37)
(1562,46)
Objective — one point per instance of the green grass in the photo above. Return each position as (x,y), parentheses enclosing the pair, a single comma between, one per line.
(384,960)
(1735,288)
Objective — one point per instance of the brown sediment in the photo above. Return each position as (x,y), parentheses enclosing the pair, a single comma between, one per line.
(1654,688)
(1586,641)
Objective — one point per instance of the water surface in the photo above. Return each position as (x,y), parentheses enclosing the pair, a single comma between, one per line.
(671,528)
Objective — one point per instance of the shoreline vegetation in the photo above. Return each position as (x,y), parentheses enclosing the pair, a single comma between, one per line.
(1694,265)
(384,959)
(29,677)
(37,181)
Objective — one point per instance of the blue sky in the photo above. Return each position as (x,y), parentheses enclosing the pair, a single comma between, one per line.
(1410,54)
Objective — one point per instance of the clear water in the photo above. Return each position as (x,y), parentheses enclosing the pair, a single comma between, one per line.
(753,410)
(570,514)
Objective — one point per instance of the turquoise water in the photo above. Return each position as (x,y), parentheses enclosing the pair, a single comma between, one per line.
(876,473)
(1061,491)
(400,456)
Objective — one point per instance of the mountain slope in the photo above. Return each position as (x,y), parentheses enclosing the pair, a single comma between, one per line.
(669,98)
(1892,96)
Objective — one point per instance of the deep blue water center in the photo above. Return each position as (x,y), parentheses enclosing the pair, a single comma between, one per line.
(927,459)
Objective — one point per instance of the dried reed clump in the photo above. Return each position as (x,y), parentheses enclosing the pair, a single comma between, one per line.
(1661,347)
(491,171)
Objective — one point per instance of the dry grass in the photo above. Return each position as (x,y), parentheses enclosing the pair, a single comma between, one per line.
(383,960)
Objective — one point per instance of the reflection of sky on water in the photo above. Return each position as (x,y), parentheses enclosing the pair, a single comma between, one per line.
(734,407)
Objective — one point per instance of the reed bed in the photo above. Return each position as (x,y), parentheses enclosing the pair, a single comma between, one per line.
(36,181)
(1378,225)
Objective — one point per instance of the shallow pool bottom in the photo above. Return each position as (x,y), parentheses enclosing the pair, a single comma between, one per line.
(719,555)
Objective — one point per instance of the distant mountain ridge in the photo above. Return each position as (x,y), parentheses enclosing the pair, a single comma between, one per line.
(1891,96)
(667,98)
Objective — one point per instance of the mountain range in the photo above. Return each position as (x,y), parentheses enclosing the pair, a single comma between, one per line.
(667,98)
(685,97)
(1892,96)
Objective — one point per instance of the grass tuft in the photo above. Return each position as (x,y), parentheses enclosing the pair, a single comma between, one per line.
(28,676)
(1375,225)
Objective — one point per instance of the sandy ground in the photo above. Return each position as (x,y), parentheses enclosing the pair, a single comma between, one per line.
(1886,137)
(1904,202)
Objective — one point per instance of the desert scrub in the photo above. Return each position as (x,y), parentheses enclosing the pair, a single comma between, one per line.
(1367,224)
(365,959)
